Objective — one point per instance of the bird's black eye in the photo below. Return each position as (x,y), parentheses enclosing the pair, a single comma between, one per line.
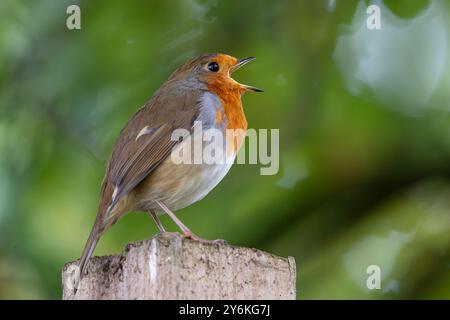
(213,67)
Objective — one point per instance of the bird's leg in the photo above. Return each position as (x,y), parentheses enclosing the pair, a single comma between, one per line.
(156,220)
(186,231)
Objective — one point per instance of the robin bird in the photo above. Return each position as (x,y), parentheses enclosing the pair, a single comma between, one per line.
(141,175)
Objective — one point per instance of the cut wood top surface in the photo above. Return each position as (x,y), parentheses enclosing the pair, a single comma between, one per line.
(169,266)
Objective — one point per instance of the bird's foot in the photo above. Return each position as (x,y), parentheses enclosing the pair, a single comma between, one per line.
(192,236)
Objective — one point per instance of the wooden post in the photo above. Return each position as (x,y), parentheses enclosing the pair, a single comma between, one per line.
(169,266)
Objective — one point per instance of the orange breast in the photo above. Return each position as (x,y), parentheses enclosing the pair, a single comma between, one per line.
(230,97)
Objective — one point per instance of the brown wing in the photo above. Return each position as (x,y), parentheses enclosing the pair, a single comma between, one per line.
(134,157)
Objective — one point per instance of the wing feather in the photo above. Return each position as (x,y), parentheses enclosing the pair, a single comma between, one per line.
(134,159)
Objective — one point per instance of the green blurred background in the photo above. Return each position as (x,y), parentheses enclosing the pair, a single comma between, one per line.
(364,135)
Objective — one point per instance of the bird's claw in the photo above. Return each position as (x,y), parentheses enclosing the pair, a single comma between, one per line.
(190,235)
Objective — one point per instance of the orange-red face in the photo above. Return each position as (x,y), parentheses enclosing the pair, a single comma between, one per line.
(216,69)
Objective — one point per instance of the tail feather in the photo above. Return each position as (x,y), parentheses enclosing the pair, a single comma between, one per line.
(87,253)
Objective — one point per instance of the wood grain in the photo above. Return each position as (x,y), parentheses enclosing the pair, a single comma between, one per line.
(171,267)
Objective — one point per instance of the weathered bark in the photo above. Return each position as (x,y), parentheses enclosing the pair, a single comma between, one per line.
(171,267)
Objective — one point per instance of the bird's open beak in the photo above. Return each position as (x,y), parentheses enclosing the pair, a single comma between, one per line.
(239,64)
